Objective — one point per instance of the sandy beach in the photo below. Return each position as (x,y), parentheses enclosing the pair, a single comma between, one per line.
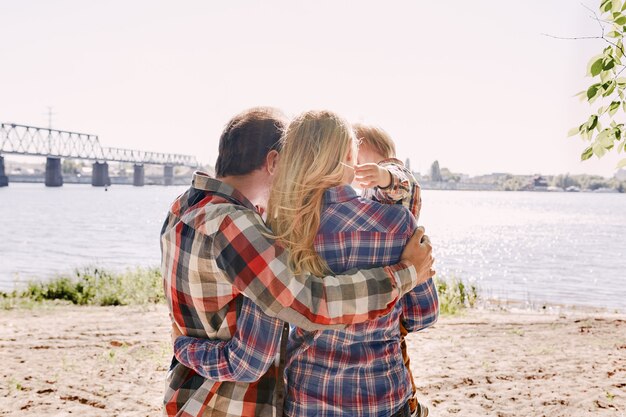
(111,361)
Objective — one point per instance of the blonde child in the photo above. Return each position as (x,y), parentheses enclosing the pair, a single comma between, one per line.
(380,174)
(384,178)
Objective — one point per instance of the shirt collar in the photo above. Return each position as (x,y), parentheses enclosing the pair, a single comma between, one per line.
(339,194)
(203,181)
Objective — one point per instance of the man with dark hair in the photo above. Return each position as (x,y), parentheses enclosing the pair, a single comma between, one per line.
(220,262)
(261,127)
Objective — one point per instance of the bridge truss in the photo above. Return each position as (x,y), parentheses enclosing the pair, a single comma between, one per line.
(39,141)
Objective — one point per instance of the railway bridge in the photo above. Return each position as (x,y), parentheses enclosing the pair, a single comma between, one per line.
(58,144)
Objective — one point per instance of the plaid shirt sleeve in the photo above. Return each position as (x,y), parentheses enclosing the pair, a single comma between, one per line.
(420,307)
(403,189)
(246,252)
(244,358)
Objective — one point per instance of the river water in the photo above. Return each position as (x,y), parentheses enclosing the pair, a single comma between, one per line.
(566,248)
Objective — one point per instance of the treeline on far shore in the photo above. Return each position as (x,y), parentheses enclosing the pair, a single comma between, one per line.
(510,182)
(140,286)
(439,178)
(565,182)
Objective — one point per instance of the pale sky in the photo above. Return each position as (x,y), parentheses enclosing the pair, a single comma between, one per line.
(472,84)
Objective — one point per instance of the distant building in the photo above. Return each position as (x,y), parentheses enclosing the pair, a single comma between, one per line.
(621,175)
(540,183)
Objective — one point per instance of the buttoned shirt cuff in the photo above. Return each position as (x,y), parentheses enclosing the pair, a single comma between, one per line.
(404,276)
(180,349)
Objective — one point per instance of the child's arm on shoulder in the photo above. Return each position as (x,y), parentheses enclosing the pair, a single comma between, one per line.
(401,187)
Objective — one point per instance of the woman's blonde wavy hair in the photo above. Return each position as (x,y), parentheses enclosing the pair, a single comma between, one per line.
(315,145)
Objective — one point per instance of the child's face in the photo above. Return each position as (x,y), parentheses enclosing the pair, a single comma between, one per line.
(367,155)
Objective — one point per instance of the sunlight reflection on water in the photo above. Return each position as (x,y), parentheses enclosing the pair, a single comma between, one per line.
(553,247)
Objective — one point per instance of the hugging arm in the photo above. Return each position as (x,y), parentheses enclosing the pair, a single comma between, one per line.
(257,265)
(245,357)
(420,307)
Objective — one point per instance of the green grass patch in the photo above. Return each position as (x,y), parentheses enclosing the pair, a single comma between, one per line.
(93,286)
(455,295)
(97,286)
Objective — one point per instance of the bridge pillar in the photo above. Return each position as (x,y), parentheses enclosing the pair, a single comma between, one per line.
(138,175)
(4,180)
(54,173)
(168,175)
(100,174)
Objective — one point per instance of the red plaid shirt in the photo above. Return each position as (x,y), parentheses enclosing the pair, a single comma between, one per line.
(215,248)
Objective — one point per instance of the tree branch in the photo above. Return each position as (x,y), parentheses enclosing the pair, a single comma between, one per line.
(595,17)
(573,38)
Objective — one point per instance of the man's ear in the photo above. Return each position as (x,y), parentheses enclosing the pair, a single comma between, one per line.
(271,160)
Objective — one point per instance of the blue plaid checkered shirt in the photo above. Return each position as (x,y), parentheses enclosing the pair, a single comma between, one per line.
(358,371)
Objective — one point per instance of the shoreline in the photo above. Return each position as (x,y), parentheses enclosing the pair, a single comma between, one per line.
(155,181)
(512,305)
(482,304)
(103,361)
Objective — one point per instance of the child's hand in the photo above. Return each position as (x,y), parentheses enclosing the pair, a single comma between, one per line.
(372,175)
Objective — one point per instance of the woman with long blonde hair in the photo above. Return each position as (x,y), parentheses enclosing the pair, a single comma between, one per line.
(327,227)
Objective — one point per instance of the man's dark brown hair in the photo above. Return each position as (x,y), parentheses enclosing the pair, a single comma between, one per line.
(247,139)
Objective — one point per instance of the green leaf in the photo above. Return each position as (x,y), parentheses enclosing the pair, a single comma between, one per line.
(620,20)
(607,64)
(608,88)
(606,141)
(598,149)
(613,107)
(617,60)
(573,131)
(603,135)
(621,164)
(592,91)
(621,81)
(592,61)
(592,122)
(620,147)
(606,6)
(614,34)
(616,6)
(587,153)
(597,67)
